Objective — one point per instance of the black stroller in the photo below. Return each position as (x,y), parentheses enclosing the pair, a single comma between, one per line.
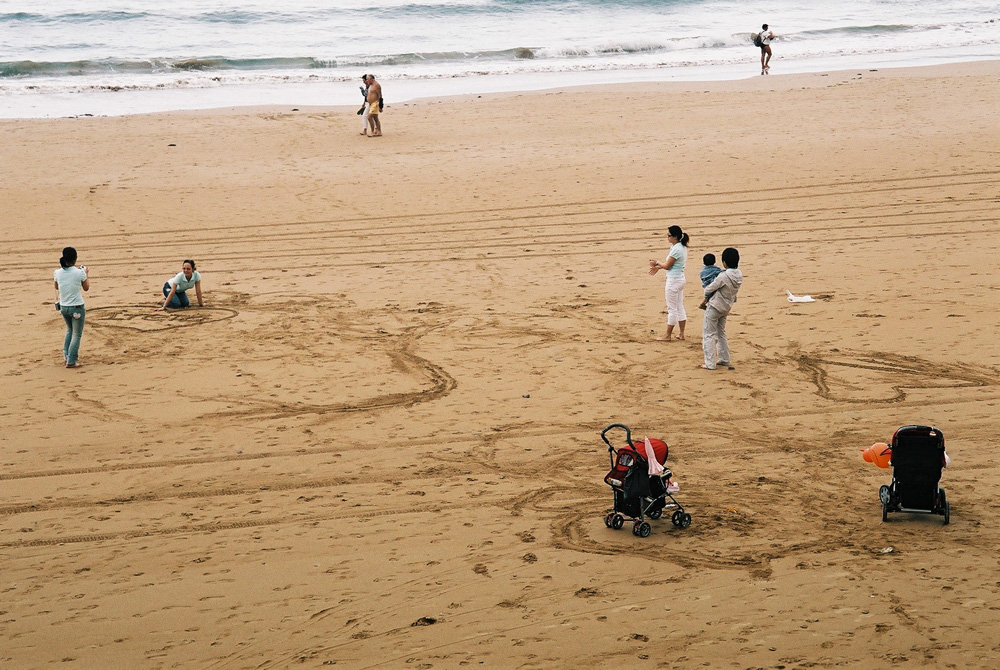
(917,460)
(636,492)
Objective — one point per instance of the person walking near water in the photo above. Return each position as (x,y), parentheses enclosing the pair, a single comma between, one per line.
(374,105)
(674,289)
(766,36)
(363,112)
(70,281)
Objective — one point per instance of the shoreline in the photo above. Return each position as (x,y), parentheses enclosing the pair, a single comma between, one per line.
(325,95)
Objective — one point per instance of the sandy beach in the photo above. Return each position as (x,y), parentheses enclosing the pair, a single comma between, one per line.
(378,445)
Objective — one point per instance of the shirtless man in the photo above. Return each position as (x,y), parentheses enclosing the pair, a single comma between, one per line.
(765,48)
(374,94)
(363,112)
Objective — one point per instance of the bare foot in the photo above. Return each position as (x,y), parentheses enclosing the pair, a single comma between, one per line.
(680,337)
(664,339)
(365,134)
(376,134)
(705,368)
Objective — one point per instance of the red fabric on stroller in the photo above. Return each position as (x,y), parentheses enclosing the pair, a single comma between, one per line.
(659,448)
(624,461)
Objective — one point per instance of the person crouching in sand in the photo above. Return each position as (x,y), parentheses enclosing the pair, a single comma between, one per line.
(175,289)
(722,290)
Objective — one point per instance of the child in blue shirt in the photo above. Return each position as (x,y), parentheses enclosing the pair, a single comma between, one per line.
(707,275)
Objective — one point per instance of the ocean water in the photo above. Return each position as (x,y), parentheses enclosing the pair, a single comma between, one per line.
(68,57)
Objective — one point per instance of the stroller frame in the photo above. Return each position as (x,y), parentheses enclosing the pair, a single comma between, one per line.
(638,494)
(917,460)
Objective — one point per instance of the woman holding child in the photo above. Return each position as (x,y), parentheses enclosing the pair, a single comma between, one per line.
(721,294)
(674,290)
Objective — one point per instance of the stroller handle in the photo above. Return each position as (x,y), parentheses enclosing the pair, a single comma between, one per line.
(628,437)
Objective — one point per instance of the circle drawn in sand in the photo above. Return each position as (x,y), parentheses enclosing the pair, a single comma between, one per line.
(144,318)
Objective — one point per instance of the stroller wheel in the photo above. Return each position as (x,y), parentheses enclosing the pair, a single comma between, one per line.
(681,519)
(609,519)
(641,529)
(617,521)
(655,514)
(883,494)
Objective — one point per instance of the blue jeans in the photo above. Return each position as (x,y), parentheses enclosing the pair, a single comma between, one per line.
(180,298)
(74,318)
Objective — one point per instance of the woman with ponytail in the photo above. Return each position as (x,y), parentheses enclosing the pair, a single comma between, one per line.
(674,290)
(175,289)
(69,280)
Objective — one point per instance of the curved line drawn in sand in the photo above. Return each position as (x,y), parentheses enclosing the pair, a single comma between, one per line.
(97,405)
(699,546)
(143,318)
(569,530)
(288,333)
(922,374)
(441,384)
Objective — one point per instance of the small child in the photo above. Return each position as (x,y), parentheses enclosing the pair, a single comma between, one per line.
(708,274)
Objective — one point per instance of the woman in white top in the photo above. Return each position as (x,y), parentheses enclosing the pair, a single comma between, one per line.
(674,265)
(71,281)
(175,289)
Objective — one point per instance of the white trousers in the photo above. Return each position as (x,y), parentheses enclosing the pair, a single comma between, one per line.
(364,117)
(713,338)
(675,300)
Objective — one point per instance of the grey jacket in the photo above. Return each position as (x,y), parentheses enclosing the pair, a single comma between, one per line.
(725,287)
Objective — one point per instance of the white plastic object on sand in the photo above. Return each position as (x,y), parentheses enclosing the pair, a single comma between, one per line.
(798,298)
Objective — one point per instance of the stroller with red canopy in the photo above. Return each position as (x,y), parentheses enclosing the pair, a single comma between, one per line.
(637,493)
